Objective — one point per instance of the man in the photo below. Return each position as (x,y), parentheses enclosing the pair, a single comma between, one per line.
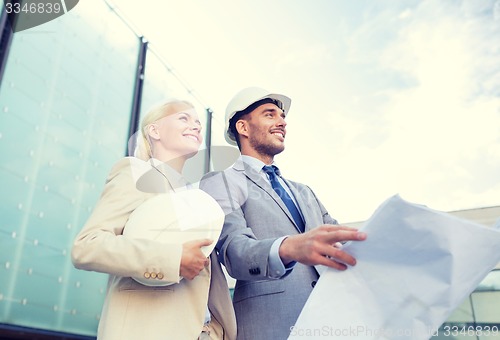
(275,231)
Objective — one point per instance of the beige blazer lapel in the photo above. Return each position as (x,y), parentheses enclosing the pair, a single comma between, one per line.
(159,178)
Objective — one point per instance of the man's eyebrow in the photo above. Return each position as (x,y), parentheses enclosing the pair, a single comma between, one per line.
(272,109)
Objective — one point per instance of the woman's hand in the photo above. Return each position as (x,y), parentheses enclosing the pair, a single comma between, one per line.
(193,260)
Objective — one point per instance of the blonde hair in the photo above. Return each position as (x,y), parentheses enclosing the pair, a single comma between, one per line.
(143,149)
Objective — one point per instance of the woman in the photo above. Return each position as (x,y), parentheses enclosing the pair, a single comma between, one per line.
(170,134)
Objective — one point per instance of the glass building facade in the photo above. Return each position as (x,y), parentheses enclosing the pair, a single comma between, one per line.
(70,93)
(68,97)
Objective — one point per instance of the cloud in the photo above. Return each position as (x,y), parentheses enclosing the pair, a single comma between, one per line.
(450,119)
(431,132)
(302,54)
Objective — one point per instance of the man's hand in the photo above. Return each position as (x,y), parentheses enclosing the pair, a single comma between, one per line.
(320,246)
(193,260)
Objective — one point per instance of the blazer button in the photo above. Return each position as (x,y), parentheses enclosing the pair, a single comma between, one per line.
(153,275)
(254,271)
(160,276)
(313,284)
(147,275)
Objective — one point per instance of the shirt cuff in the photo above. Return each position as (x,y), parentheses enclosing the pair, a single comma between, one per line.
(276,267)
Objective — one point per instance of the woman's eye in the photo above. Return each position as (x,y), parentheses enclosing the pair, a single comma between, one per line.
(183,118)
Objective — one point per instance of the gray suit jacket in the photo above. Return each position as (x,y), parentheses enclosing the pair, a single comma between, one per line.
(266,308)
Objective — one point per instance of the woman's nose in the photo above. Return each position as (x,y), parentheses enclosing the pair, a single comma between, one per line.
(196,127)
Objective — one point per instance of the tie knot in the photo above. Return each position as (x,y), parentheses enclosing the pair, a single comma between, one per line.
(270,170)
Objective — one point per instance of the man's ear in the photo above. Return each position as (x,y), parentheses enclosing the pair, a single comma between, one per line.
(153,131)
(242,127)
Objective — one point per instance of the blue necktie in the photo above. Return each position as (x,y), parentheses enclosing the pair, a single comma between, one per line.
(292,208)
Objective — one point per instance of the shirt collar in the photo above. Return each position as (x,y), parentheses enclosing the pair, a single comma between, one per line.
(254,163)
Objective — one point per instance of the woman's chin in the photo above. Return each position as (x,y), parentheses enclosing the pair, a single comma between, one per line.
(191,153)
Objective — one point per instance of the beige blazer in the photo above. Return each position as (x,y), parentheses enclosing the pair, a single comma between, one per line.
(132,310)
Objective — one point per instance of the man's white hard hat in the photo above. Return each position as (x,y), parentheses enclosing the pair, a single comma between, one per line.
(247,97)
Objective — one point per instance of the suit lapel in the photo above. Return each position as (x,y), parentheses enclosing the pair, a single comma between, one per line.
(258,180)
(301,202)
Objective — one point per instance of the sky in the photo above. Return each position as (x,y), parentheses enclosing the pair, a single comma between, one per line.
(388,97)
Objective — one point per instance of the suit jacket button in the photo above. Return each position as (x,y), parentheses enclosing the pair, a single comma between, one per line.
(147,275)
(159,276)
(313,284)
(153,275)
(254,271)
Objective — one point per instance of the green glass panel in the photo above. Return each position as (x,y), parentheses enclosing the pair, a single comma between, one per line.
(65,103)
